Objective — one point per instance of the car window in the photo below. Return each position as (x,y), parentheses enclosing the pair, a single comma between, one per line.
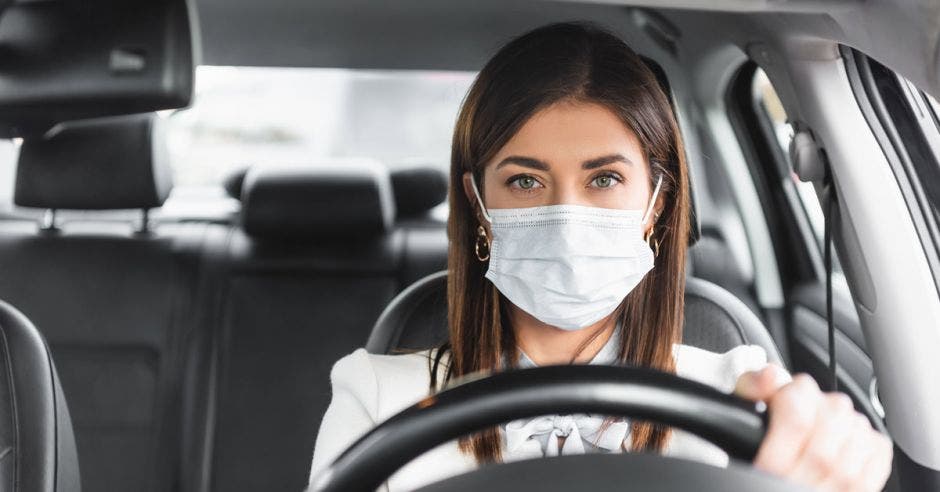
(282,116)
(769,106)
(925,110)
(258,116)
(909,117)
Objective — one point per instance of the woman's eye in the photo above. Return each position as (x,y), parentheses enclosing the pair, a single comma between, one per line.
(525,182)
(604,181)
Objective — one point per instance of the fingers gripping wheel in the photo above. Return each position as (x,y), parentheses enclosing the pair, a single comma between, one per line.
(731,423)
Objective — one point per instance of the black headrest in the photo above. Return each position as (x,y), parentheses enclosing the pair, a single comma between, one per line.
(418,190)
(232,182)
(352,198)
(100,164)
(66,61)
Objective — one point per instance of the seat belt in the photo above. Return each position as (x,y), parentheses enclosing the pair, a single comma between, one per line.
(811,164)
(832,207)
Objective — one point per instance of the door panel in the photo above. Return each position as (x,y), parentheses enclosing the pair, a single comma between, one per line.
(809,345)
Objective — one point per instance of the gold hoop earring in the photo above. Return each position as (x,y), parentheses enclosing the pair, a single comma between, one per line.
(482,238)
(652,242)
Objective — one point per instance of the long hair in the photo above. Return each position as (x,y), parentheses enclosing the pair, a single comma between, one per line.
(563,62)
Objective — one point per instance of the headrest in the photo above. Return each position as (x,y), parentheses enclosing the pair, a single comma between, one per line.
(108,163)
(418,190)
(232,182)
(350,198)
(67,61)
(715,320)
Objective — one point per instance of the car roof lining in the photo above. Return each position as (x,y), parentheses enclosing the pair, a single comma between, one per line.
(415,34)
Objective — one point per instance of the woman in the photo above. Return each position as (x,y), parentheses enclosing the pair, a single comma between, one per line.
(568,227)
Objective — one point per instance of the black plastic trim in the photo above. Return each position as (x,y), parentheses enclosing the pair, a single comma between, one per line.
(613,473)
(913,475)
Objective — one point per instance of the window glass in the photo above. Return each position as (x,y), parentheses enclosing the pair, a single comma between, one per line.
(257,116)
(771,108)
(276,116)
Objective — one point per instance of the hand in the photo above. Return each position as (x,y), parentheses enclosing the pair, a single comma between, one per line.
(815,438)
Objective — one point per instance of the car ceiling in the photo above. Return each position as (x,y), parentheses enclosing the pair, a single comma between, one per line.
(451,35)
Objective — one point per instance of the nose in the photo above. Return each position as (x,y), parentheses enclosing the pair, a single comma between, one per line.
(569,192)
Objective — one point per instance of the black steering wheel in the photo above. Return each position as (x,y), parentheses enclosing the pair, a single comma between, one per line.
(730,422)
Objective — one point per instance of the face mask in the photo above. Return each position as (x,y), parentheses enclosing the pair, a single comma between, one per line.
(569,266)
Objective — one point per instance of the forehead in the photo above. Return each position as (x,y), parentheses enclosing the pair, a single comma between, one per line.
(571,132)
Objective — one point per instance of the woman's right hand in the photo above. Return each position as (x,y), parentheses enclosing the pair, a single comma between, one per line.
(816,438)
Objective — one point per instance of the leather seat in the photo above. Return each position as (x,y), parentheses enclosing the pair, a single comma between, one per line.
(37,447)
(113,300)
(715,320)
(312,265)
(319,252)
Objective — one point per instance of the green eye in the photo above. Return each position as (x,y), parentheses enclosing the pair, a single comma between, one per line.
(605,181)
(526,182)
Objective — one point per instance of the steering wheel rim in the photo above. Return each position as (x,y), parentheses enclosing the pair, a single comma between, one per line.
(734,424)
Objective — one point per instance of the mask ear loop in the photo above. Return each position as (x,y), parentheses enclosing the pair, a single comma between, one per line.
(649,208)
(476,193)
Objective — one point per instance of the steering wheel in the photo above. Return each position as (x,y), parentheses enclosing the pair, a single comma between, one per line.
(730,422)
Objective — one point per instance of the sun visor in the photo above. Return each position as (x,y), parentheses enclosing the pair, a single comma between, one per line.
(63,60)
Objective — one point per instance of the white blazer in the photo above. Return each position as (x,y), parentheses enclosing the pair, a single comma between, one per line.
(369,388)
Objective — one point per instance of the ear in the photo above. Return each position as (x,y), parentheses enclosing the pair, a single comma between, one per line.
(472,198)
(468,190)
(657,210)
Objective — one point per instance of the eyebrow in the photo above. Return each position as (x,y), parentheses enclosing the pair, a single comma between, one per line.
(589,164)
(524,162)
(605,160)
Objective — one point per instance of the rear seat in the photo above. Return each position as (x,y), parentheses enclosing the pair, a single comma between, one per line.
(188,351)
(417,191)
(110,299)
(315,261)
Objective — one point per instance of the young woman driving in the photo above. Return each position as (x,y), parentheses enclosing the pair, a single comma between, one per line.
(568,228)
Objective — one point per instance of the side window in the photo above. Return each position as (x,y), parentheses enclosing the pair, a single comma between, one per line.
(770,109)
(770,106)
(910,119)
(924,110)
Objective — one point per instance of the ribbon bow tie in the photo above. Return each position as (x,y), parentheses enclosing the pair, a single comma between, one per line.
(538,437)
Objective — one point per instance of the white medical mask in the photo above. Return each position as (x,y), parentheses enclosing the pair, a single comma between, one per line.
(569,266)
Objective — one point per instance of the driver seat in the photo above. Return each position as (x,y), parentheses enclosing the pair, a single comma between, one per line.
(37,445)
(715,320)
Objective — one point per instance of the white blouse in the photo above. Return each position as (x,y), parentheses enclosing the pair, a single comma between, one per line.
(369,388)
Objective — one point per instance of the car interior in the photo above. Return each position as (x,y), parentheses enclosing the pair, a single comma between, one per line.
(204,204)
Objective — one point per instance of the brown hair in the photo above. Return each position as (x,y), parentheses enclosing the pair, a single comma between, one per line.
(563,62)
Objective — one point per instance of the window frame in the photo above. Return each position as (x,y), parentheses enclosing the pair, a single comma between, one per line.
(883,110)
(795,242)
